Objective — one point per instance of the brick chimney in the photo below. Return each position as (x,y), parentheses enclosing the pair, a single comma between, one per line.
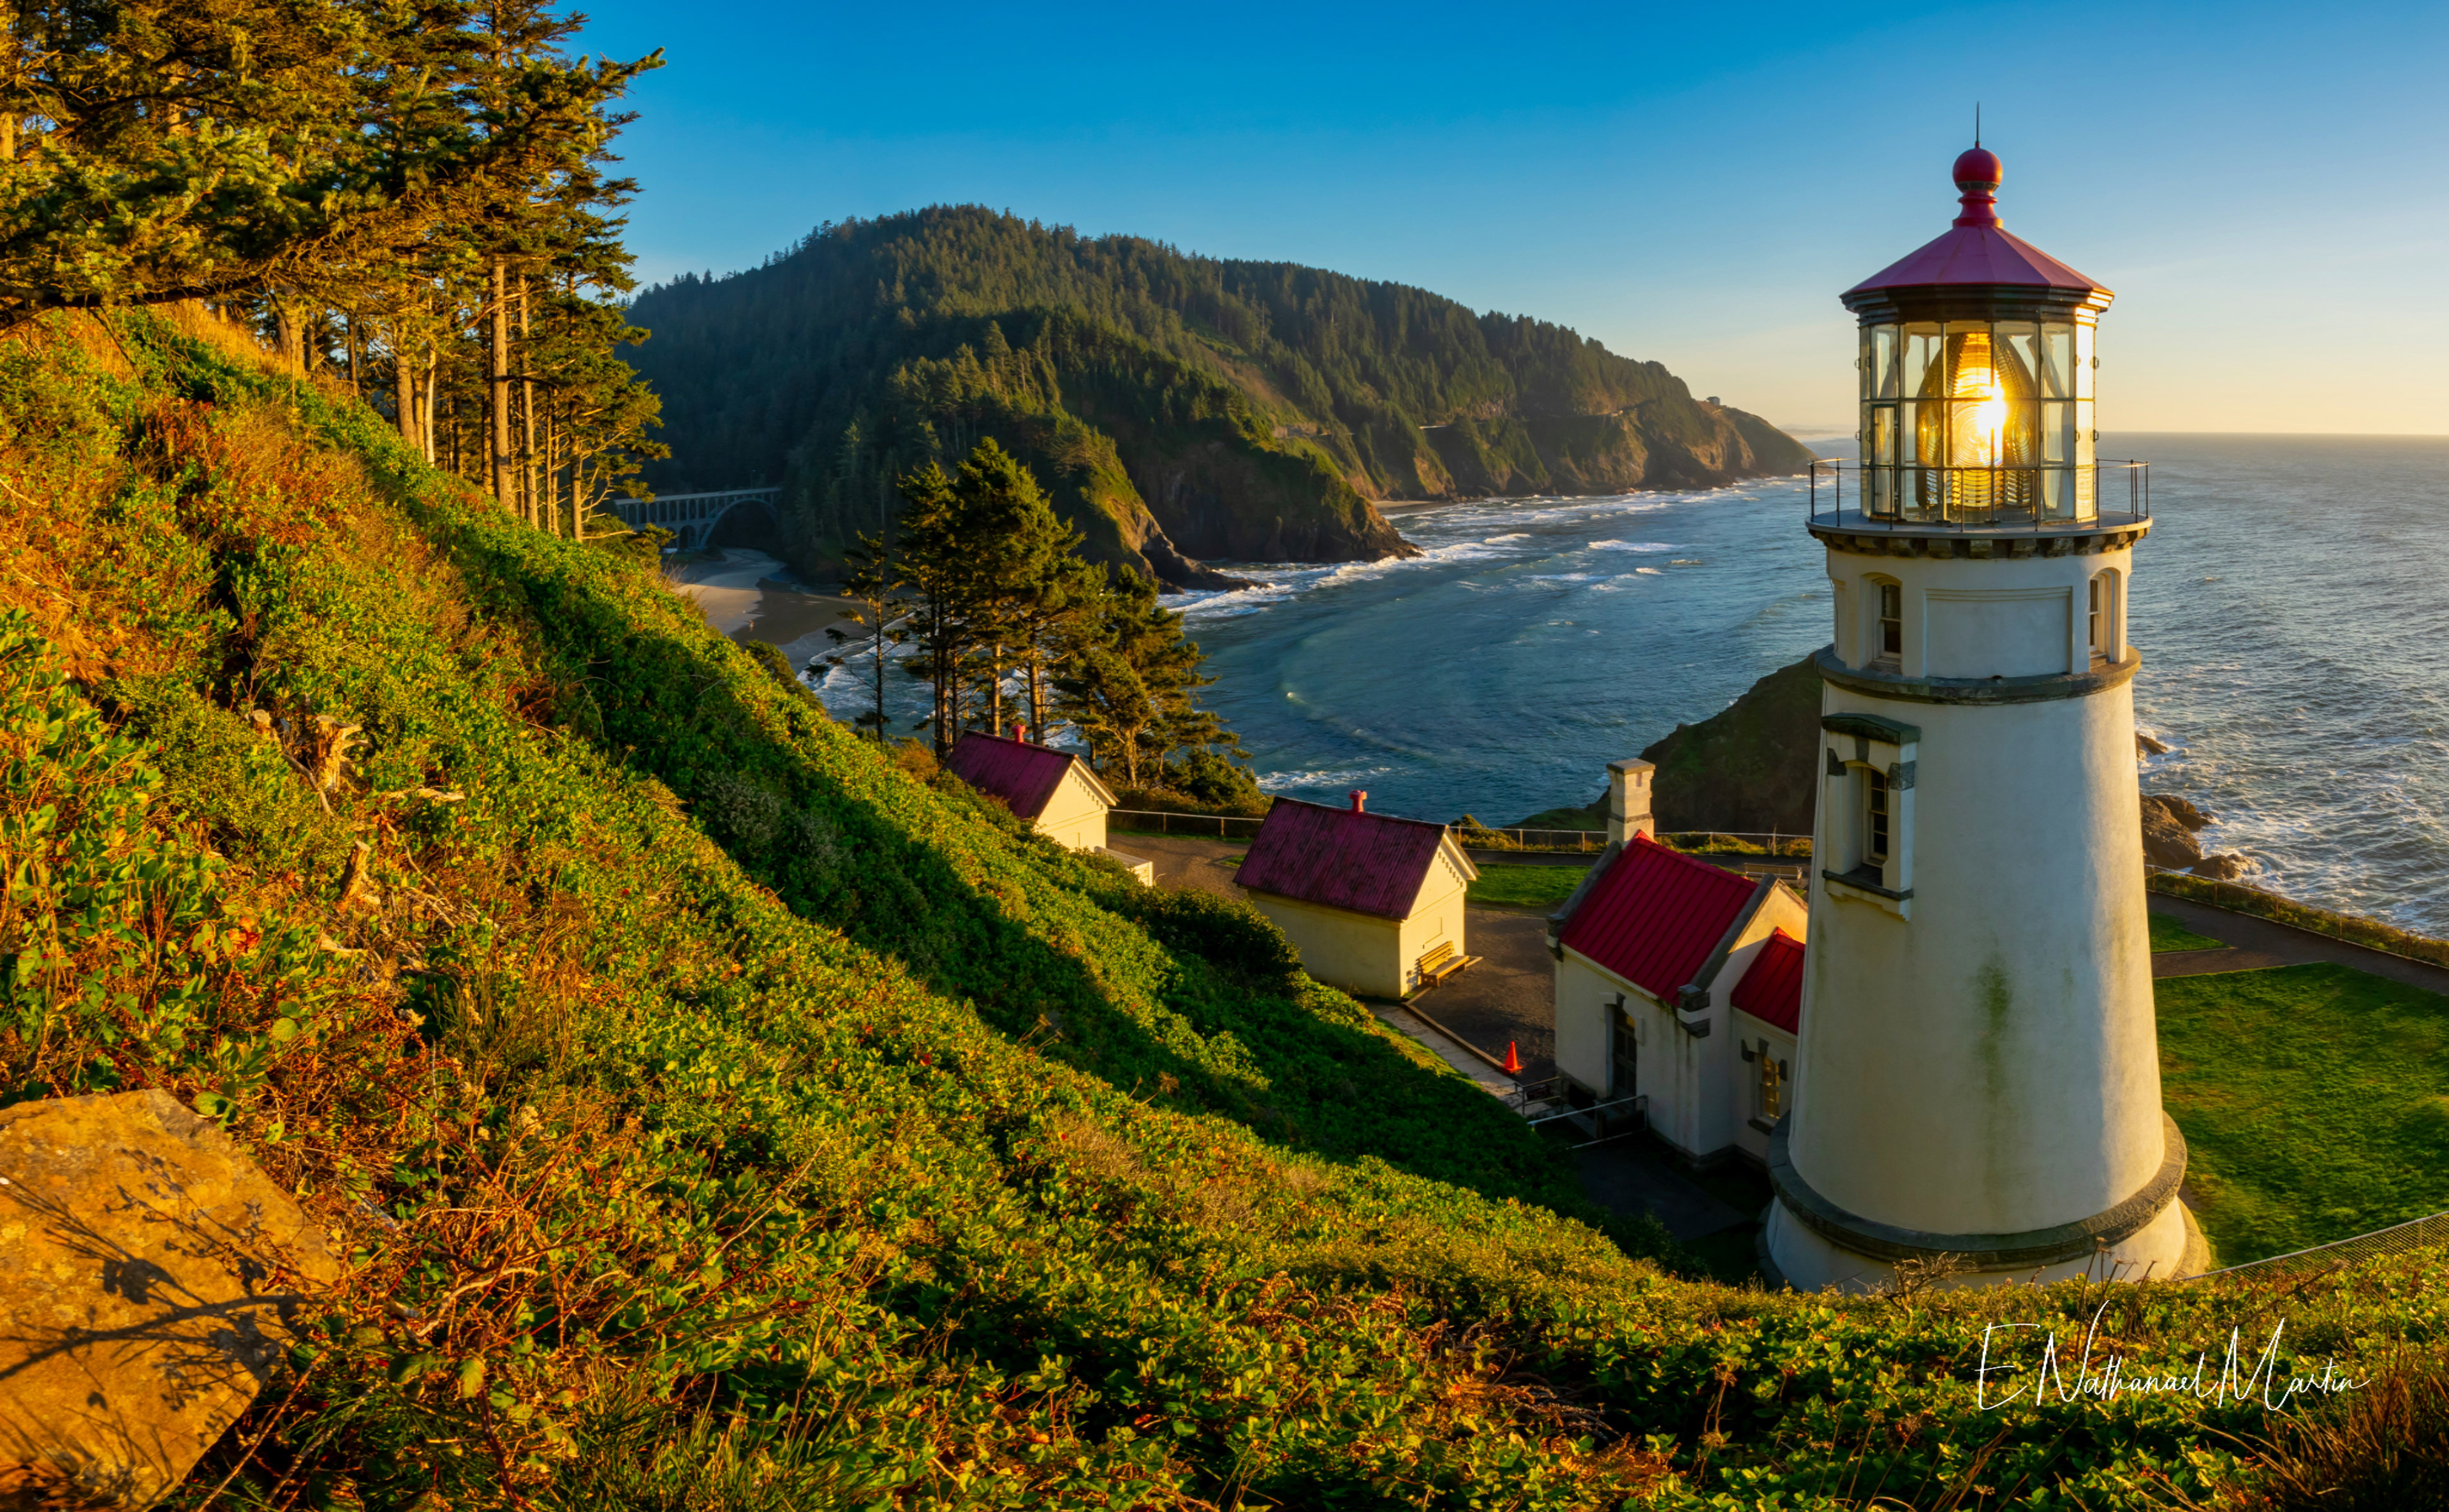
(1629,800)
(1019,730)
(1359,800)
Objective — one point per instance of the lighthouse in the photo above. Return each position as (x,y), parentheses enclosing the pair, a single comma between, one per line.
(1978,1075)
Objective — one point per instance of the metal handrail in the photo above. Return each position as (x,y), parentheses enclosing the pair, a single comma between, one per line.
(2417,1234)
(2138,493)
(1781,844)
(1636,1105)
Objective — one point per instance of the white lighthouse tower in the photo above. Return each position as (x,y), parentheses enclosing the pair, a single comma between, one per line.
(1979,1075)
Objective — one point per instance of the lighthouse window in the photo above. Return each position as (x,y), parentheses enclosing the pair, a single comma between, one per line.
(2100,645)
(1875,828)
(1772,1085)
(1892,621)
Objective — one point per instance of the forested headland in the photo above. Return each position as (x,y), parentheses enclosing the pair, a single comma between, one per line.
(1178,408)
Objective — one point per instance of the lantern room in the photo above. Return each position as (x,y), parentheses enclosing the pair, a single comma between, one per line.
(1978,364)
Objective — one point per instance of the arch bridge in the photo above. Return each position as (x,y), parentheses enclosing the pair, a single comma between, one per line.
(691,517)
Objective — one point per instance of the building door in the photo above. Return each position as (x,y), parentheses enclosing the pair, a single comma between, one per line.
(1623,1053)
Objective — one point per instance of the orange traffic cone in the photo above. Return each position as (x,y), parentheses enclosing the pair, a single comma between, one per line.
(1513,1060)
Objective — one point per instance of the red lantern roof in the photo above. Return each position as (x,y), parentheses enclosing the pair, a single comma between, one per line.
(1976,250)
(1653,916)
(1772,991)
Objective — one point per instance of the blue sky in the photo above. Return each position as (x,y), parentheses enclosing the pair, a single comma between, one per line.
(2265,187)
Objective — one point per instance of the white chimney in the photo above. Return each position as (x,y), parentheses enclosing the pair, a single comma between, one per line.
(1629,800)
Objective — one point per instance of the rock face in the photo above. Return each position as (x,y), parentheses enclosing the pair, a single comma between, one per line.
(2169,825)
(148,1272)
(2169,829)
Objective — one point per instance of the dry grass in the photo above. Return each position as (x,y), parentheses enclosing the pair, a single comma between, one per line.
(2382,1447)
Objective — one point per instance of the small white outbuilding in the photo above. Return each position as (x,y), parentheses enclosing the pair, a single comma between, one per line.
(1374,903)
(1678,997)
(1054,790)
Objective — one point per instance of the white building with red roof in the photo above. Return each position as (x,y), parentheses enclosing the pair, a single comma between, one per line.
(1374,903)
(1678,985)
(1053,790)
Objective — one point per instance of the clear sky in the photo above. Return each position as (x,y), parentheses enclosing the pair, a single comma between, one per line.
(2264,185)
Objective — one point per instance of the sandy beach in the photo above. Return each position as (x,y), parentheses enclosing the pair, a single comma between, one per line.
(741,595)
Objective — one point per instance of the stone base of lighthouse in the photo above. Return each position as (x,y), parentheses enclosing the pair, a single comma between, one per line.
(1810,1243)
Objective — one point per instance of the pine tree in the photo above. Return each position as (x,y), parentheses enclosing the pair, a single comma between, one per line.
(873,583)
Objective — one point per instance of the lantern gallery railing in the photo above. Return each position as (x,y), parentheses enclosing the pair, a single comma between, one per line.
(1982,498)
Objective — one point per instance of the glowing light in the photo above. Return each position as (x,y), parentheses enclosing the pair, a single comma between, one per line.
(1976,379)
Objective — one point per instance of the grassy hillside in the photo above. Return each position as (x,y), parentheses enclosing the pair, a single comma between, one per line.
(1745,769)
(1178,405)
(720,1116)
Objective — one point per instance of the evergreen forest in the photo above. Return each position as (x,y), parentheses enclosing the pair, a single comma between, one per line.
(420,201)
(1179,408)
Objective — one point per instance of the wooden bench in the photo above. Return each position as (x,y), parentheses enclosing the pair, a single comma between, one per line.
(1438,963)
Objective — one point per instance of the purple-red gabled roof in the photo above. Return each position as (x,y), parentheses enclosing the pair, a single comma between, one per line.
(1342,858)
(1772,991)
(1023,775)
(1653,916)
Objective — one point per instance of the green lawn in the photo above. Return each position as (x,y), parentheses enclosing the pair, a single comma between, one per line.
(1525,887)
(2314,1100)
(2168,934)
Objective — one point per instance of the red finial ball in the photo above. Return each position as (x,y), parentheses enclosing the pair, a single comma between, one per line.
(1977,166)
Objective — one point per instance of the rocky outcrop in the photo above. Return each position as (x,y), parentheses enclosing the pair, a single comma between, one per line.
(148,1272)
(2170,826)
(1234,501)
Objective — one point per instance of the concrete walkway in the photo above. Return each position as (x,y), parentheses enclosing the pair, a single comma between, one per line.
(2254,944)
(1634,1176)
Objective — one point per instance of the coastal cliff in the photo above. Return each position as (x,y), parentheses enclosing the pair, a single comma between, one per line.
(1176,406)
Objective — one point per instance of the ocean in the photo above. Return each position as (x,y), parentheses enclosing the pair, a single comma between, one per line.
(2291,604)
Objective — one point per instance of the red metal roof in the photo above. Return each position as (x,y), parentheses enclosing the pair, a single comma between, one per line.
(1342,858)
(1021,774)
(1653,917)
(1772,991)
(1976,249)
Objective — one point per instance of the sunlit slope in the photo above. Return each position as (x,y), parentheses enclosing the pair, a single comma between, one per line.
(720,1115)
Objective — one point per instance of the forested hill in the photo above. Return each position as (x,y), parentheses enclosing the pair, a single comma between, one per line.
(1246,411)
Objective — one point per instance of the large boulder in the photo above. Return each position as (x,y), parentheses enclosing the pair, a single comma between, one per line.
(148,1273)
(2169,825)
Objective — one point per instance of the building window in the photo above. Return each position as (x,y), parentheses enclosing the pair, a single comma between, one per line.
(1875,820)
(1624,1059)
(1892,621)
(2099,619)
(1772,1085)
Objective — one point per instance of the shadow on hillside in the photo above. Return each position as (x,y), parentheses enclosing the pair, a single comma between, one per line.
(845,842)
